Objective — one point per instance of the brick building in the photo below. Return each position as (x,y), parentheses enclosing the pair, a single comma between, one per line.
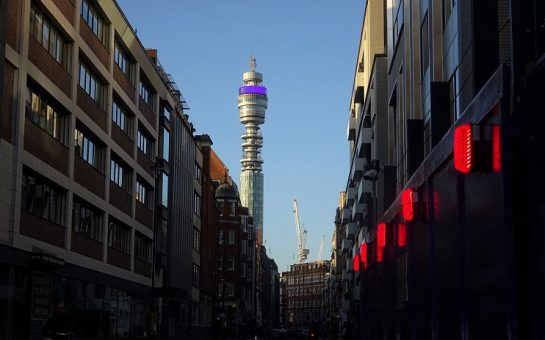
(85,111)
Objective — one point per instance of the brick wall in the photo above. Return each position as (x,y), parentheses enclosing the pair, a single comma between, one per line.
(144,161)
(148,113)
(121,138)
(12,22)
(144,215)
(92,108)
(91,39)
(41,229)
(89,177)
(120,199)
(86,246)
(119,259)
(6,106)
(45,147)
(67,9)
(142,268)
(49,66)
(125,83)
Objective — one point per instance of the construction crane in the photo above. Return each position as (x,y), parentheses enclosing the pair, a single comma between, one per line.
(301,234)
(320,252)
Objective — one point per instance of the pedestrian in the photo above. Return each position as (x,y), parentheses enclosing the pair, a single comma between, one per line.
(58,326)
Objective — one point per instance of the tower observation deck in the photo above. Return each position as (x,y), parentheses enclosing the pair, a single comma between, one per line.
(252,103)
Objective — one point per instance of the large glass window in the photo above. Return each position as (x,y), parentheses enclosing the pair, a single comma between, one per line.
(424,45)
(119,237)
(89,150)
(121,118)
(165,146)
(142,248)
(398,21)
(196,239)
(196,275)
(231,263)
(144,143)
(90,83)
(44,113)
(50,38)
(95,21)
(164,190)
(243,246)
(231,237)
(143,193)
(120,175)
(146,93)
(121,58)
(197,204)
(43,199)
(448,5)
(87,220)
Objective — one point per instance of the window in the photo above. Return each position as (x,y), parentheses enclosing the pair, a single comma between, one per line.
(88,149)
(143,193)
(94,21)
(232,208)
(50,38)
(146,94)
(230,288)
(453,106)
(144,143)
(398,21)
(196,239)
(87,220)
(90,83)
(424,45)
(119,237)
(166,112)
(164,190)
(142,248)
(243,269)
(448,5)
(220,263)
(165,146)
(44,113)
(43,199)
(121,118)
(121,58)
(220,237)
(198,173)
(120,175)
(243,246)
(196,274)
(231,237)
(231,263)
(196,204)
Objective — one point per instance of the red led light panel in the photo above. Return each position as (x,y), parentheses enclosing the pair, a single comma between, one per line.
(363,254)
(380,253)
(496,148)
(381,235)
(463,148)
(407,204)
(356,262)
(401,235)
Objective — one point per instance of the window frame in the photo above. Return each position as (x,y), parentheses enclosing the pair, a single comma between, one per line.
(45,113)
(119,236)
(88,149)
(95,21)
(51,208)
(122,118)
(120,175)
(87,220)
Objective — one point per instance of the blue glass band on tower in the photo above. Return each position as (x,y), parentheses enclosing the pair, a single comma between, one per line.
(252,103)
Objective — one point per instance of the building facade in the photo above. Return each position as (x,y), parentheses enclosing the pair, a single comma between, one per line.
(84,107)
(304,295)
(252,103)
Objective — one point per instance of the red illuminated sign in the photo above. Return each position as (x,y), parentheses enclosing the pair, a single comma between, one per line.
(463,148)
(363,254)
(356,262)
(496,148)
(408,200)
(401,235)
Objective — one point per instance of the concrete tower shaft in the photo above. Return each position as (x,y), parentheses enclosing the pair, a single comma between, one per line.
(252,103)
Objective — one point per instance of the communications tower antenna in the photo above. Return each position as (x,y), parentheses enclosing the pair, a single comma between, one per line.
(320,252)
(301,233)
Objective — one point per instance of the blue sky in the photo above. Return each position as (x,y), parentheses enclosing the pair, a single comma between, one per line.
(306,50)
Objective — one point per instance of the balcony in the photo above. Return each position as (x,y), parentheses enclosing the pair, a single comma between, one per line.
(346,245)
(358,166)
(351,129)
(365,187)
(350,230)
(364,142)
(345,215)
(359,211)
(350,195)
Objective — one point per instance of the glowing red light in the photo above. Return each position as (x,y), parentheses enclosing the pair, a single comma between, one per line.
(356,262)
(380,253)
(496,148)
(381,234)
(401,235)
(407,204)
(363,254)
(463,148)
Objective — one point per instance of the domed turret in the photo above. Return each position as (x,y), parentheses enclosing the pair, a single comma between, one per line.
(227,191)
